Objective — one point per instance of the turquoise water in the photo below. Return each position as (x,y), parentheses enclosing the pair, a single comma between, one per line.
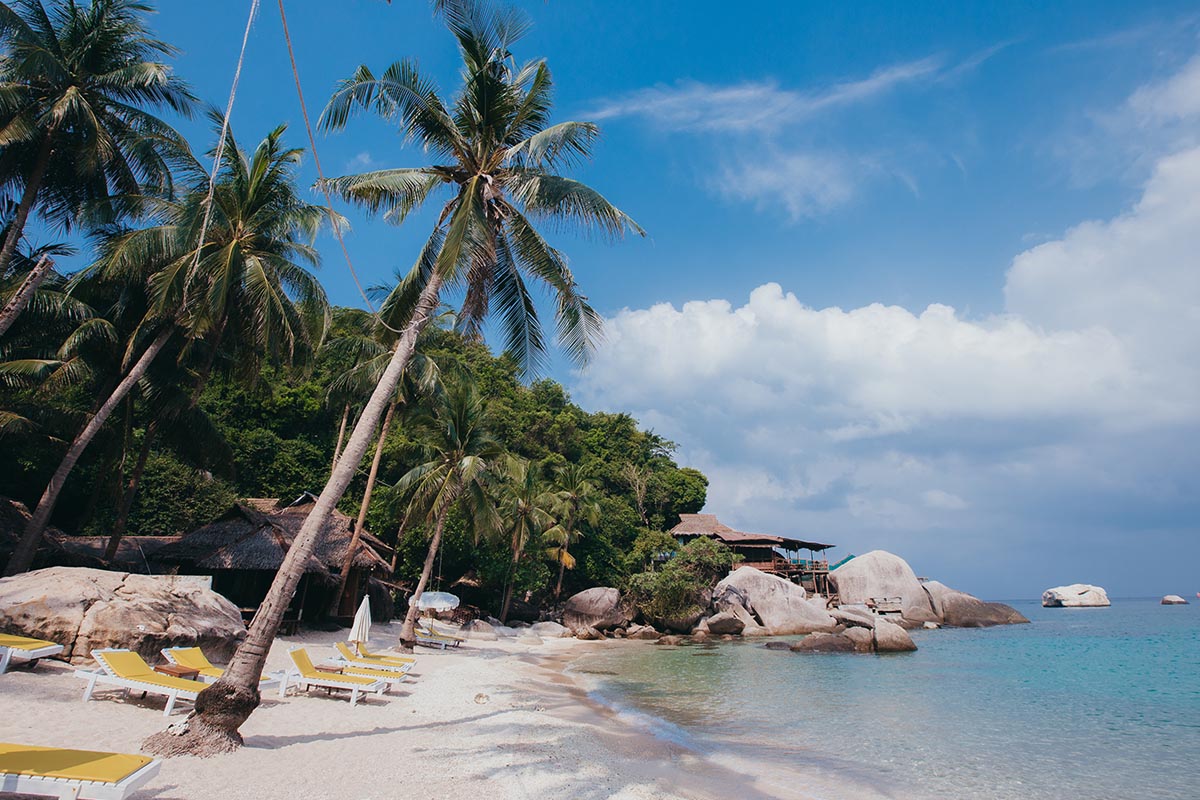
(1093,703)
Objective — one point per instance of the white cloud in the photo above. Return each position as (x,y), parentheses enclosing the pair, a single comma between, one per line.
(805,184)
(362,161)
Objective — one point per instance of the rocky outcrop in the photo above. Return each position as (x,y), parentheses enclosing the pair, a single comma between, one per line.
(854,616)
(550,630)
(961,610)
(723,622)
(825,643)
(879,574)
(863,638)
(588,634)
(670,641)
(88,609)
(891,638)
(1077,595)
(601,608)
(1174,600)
(883,637)
(642,632)
(478,630)
(765,601)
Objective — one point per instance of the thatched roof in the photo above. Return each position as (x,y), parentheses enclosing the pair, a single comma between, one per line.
(692,525)
(256,534)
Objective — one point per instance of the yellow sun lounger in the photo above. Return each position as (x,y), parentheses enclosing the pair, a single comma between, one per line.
(396,667)
(305,675)
(431,638)
(391,659)
(127,670)
(26,769)
(194,658)
(23,648)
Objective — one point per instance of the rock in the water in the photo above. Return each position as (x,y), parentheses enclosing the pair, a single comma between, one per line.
(700,636)
(1077,595)
(724,622)
(479,630)
(825,643)
(600,608)
(550,630)
(864,640)
(752,630)
(777,605)
(891,638)
(589,634)
(642,632)
(88,609)
(854,616)
(1174,600)
(777,645)
(683,624)
(878,575)
(670,640)
(961,610)
(930,626)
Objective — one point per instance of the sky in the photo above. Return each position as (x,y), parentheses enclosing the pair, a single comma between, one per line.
(920,277)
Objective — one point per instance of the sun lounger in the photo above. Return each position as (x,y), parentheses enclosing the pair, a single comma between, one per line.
(15,649)
(194,658)
(431,638)
(128,670)
(26,769)
(397,666)
(305,675)
(390,658)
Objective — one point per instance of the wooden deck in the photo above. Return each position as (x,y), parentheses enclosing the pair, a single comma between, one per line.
(812,575)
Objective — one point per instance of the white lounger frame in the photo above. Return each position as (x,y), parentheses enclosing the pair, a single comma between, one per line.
(67,789)
(270,681)
(13,654)
(438,640)
(101,676)
(294,678)
(366,663)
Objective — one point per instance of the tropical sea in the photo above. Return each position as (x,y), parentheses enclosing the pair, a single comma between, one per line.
(1095,703)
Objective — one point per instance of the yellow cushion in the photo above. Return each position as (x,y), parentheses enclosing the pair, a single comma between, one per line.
(367,672)
(192,658)
(23,642)
(365,653)
(132,667)
(75,765)
(307,670)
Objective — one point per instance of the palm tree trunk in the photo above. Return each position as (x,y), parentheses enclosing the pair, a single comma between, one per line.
(22,557)
(127,497)
(508,590)
(399,537)
(562,568)
(408,634)
(32,184)
(348,561)
(33,279)
(337,448)
(222,708)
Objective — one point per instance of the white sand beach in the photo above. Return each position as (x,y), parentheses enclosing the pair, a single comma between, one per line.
(499,718)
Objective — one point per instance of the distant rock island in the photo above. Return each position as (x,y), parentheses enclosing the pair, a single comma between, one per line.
(1077,595)
(1174,600)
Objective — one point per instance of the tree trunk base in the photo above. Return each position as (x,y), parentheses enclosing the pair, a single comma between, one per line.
(212,728)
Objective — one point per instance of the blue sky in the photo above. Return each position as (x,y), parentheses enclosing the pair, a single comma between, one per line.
(918,276)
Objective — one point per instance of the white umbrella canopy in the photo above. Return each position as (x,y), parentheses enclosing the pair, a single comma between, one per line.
(434,601)
(360,631)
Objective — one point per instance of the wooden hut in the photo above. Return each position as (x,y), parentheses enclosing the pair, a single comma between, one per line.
(244,548)
(777,555)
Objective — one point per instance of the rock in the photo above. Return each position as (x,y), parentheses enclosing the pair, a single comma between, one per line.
(819,602)
(600,608)
(891,638)
(824,643)
(727,637)
(479,630)
(961,610)
(777,645)
(752,630)
(724,622)
(505,631)
(880,574)
(588,634)
(671,641)
(519,625)
(864,640)
(854,616)
(529,638)
(88,609)
(777,605)
(618,633)
(682,624)
(1173,600)
(550,630)
(1077,595)
(642,632)
(930,626)
(700,636)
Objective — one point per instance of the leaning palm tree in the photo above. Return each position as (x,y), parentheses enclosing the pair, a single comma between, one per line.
(499,171)
(574,505)
(246,282)
(458,454)
(76,81)
(525,508)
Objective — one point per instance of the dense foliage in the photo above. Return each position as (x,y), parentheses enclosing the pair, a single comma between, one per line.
(675,591)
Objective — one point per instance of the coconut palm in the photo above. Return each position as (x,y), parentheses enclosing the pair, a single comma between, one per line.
(574,505)
(525,507)
(76,81)
(499,172)
(458,454)
(245,285)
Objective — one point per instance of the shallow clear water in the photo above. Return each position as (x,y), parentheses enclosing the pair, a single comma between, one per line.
(1096,703)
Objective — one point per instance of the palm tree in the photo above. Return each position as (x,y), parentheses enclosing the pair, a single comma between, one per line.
(244,278)
(574,504)
(501,162)
(458,453)
(525,507)
(75,81)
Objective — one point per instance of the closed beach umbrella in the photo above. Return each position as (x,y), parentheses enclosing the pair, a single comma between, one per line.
(435,601)
(360,631)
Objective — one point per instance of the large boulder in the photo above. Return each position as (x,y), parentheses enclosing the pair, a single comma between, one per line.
(550,630)
(1173,600)
(863,638)
(88,609)
(891,638)
(879,574)
(825,643)
(961,610)
(723,622)
(1077,595)
(642,632)
(770,602)
(854,616)
(479,630)
(601,608)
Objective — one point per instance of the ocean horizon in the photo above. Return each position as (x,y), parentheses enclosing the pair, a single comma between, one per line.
(1101,703)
